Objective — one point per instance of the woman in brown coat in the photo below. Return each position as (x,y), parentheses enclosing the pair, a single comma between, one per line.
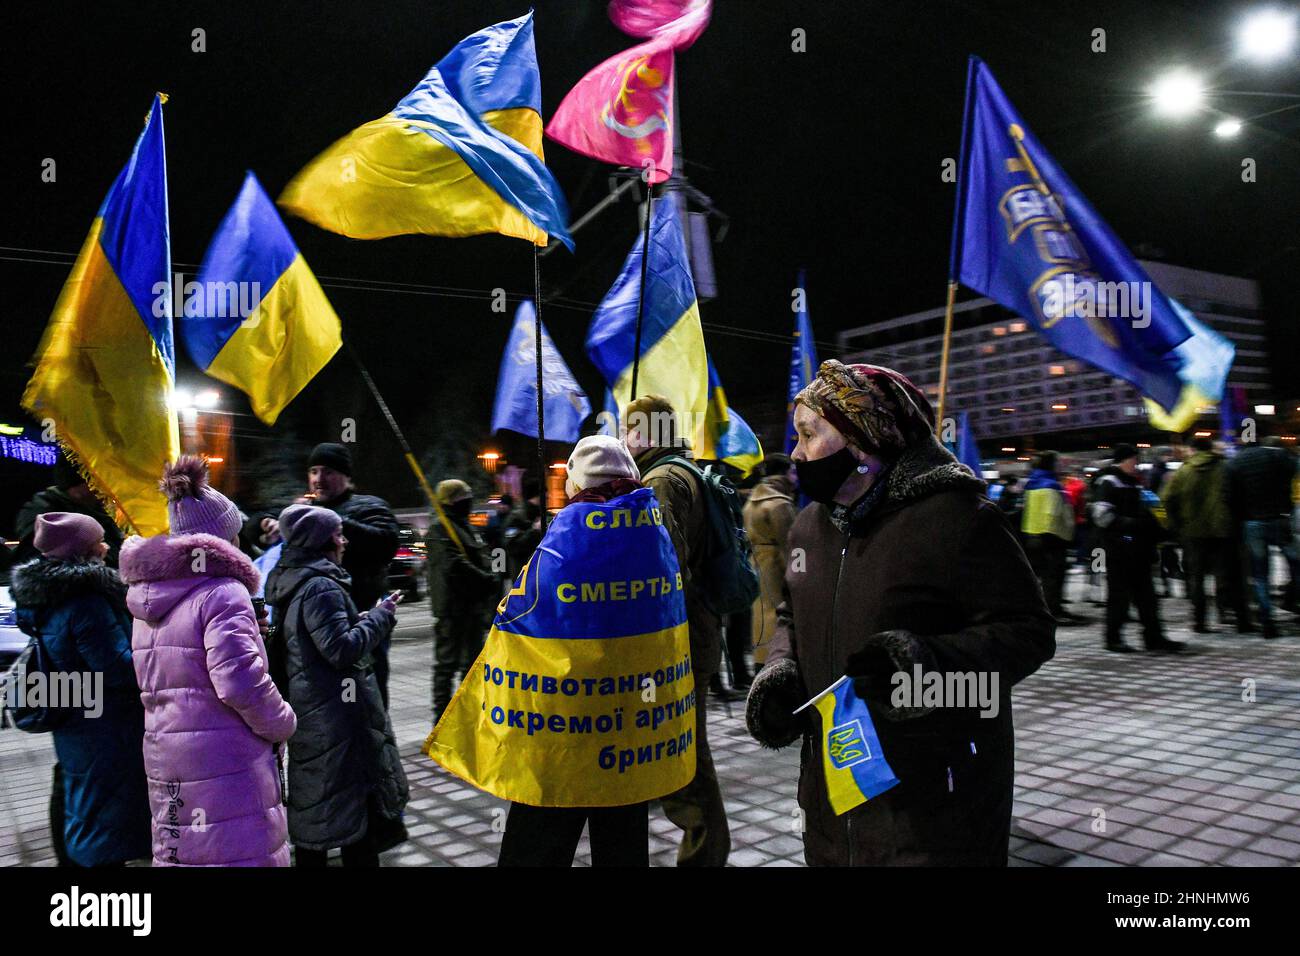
(907,568)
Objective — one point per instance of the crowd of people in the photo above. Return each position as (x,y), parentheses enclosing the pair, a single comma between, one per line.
(245,656)
(1209,517)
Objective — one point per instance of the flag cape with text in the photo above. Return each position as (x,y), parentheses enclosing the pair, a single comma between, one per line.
(460,155)
(105,369)
(262,322)
(1027,238)
(583,695)
(564,402)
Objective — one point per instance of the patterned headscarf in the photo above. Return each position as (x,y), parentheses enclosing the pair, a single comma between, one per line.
(875,408)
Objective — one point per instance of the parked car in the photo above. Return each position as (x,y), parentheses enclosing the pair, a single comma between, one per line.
(407,568)
(12,640)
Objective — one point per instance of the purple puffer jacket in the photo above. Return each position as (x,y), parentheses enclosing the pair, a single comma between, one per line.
(212,714)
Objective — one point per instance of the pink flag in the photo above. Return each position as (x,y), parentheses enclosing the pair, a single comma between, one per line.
(622,111)
(683,20)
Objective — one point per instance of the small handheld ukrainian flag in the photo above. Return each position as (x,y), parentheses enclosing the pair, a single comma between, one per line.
(460,155)
(852,761)
(262,323)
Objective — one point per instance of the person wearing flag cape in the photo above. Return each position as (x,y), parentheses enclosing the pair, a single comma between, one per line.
(581,707)
(910,582)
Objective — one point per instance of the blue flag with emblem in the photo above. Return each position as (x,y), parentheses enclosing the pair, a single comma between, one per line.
(1024,236)
(564,401)
(803,359)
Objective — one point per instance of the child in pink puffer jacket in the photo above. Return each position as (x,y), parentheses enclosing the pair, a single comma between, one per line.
(213,717)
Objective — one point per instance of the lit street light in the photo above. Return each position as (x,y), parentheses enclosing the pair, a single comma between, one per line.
(1267,35)
(1177,94)
(1228,128)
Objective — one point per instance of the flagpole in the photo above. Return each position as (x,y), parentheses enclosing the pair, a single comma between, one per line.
(645,264)
(954,252)
(541,409)
(406,449)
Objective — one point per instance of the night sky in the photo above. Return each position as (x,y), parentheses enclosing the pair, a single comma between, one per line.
(828,159)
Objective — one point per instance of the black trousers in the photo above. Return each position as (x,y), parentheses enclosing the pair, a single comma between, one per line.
(1046,553)
(359,854)
(740,634)
(57,818)
(548,836)
(456,642)
(1128,582)
(1205,557)
(379,659)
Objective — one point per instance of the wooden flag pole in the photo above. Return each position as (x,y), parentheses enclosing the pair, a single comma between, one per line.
(943,360)
(645,265)
(541,404)
(406,450)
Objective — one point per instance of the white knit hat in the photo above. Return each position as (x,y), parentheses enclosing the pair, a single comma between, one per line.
(598,459)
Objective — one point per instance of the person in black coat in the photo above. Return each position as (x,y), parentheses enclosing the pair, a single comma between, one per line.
(368,523)
(462,590)
(346,784)
(1130,533)
(77,606)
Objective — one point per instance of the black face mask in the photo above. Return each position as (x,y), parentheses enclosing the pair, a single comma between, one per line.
(821,478)
(460,509)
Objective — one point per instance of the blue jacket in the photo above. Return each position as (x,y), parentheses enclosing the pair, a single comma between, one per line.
(79,610)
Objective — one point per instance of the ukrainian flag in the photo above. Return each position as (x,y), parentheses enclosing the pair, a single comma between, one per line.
(263,323)
(852,761)
(460,155)
(728,437)
(106,368)
(673,362)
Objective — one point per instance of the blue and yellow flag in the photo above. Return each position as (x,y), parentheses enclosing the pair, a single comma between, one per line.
(515,408)
(1207,357)
(583,695)
(105,368)
(1027,238)
(727,436)
(852,761)
(803,360)
(673,362)
(460,155)
(966,450)
(260,320)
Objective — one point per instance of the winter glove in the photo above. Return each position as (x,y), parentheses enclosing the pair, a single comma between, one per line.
(874,666)
(775,693)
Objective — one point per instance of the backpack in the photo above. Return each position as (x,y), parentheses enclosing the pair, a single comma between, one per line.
(729,579)
(26,716)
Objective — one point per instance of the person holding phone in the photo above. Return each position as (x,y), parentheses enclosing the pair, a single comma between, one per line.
(346,785)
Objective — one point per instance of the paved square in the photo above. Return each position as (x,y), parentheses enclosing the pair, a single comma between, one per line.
(1121,760)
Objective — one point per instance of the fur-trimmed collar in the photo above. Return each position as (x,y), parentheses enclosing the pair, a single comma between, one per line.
(925,468)
(167,557)
(48,582)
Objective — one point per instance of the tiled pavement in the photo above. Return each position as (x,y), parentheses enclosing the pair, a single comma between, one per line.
(1132,759)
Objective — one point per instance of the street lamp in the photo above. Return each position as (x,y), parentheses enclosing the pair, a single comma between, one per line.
(1228,128)
(1266,35)
(1177,94)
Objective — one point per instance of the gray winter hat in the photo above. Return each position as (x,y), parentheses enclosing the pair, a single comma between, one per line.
(308,527)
